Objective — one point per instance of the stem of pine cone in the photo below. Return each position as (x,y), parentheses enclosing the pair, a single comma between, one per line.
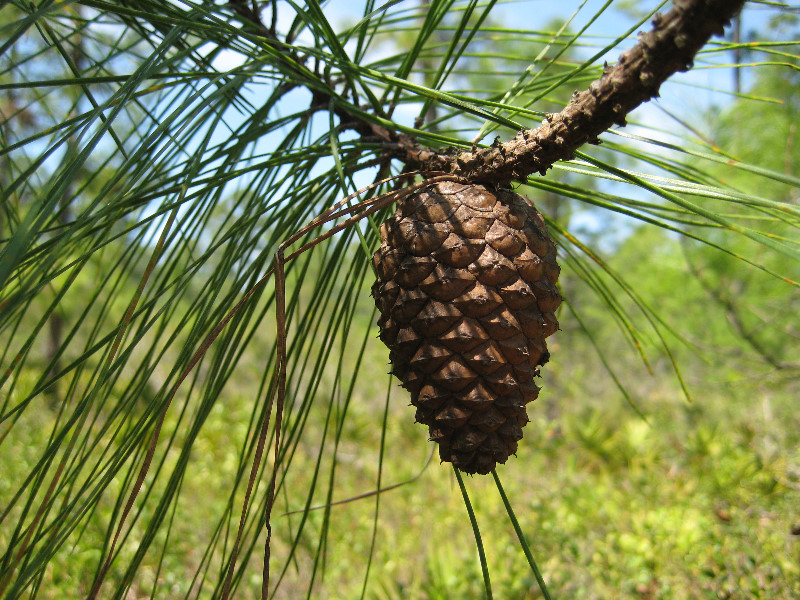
(669,47)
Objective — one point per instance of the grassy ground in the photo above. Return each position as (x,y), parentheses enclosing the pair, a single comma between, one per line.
(699,502)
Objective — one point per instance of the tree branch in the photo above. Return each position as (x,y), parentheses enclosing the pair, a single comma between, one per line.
(669,47)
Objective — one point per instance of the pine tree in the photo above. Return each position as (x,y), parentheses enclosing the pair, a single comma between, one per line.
(166,206)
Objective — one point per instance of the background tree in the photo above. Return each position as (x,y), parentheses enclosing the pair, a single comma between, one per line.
(173,147)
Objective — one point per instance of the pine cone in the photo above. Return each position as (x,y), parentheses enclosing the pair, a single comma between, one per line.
(466,289)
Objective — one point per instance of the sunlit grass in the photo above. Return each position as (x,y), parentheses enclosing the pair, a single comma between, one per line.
(700,502)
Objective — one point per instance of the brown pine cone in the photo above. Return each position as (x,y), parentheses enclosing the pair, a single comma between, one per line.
(467,291)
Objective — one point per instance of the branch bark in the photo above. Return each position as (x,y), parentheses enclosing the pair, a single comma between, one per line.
(669,47)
